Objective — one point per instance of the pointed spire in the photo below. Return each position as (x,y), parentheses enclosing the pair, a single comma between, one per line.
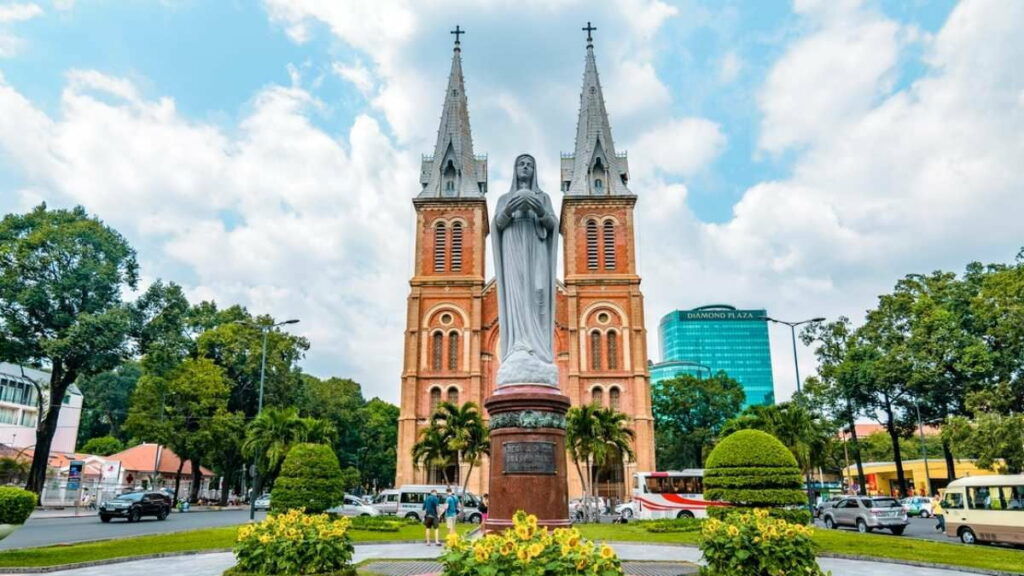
(453,171)
(594,168)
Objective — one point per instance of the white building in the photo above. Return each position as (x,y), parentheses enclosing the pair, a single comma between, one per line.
(19,410)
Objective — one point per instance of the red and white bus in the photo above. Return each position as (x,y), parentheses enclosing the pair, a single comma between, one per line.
(668,495)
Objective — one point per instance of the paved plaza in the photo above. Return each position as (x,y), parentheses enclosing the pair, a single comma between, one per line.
(214,564)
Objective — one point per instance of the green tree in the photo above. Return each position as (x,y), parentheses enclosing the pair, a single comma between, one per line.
(995,434)
(596,437)
(432,450)
(338,401)
(806,435)
(62,273)
(464,434)
(222,443)
(688,415)
(102,446)
(378,441)
(310,479)
(105,398)
(270,436)
(178,409)
(998,309)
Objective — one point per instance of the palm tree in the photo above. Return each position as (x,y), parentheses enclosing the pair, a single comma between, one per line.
(466,437)
(595,436)
(432,450)
(270,436)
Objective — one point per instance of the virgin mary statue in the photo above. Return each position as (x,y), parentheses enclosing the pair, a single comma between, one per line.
(525,233)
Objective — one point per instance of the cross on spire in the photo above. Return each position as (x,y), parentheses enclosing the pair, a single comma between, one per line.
(588,29)
(458,32)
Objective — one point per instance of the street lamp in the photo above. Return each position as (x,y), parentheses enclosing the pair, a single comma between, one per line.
(796,368)
(265,329)
(924,452)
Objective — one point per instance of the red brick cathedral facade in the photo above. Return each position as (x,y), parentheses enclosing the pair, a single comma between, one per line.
(451,337)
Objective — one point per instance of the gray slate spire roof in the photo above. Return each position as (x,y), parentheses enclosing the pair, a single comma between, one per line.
(594,169)
(453,171)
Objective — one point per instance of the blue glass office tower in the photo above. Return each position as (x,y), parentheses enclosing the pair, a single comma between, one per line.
(716,338)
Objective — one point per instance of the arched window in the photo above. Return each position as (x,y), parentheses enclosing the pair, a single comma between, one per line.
(435,398)
(453,395)
(440,246)
(591,245)
(613,351)
(456,258)
(595,350)
(613,398)
(436,351)
(598,185)
(449,178)
(609,245)
(453,352)
(597,396)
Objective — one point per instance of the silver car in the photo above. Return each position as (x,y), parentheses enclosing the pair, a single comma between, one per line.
(867,514)
(353,506)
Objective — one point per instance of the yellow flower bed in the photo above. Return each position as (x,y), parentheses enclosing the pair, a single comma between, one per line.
(756,544)
(527,549)
(294,543)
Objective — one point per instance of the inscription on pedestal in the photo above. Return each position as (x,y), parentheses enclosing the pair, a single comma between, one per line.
(529,458)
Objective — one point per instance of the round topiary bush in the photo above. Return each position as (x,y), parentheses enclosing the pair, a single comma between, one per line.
(16,505)
(752,469)
(310,479)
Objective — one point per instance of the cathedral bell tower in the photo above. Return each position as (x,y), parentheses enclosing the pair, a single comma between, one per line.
(442,335)
(607,341)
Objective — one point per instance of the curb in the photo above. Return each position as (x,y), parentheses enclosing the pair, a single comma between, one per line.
(123,559)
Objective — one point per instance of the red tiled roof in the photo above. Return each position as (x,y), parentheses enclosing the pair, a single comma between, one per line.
(140,459)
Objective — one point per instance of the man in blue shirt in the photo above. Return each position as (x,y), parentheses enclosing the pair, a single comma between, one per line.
(451,510)
(430,516)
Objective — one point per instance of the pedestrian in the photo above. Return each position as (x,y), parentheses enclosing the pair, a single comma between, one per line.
(940,515)
(451,510)
(483,509)
(430,517)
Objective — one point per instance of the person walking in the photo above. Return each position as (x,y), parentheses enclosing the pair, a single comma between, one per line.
(430,517)
(482,507)
(451,510)
(940,515)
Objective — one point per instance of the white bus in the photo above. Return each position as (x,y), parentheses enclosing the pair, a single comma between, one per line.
(985,509)
(668,495)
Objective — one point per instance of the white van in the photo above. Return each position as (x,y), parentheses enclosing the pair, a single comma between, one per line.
(411,497)
(387,502)
(985,509)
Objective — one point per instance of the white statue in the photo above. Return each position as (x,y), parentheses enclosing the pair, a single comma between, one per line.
(525,235)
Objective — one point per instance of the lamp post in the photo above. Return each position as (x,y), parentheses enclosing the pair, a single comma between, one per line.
(796,368)
(924,452)
(265,329)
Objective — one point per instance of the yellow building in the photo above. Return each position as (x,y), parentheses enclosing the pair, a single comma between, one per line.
(881,476)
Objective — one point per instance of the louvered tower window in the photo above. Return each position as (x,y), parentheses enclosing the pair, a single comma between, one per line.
(597,396)
(595,350)
(436,356)
(453,351)
(613,398)
(609,245)
(456,258)
(453,395)
(440,246)
(435,398)
(613,351)
(591,245)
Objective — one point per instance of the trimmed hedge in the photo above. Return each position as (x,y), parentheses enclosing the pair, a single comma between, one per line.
(16,504)
(310,479)
(752,469)
(791,515)
(672,525)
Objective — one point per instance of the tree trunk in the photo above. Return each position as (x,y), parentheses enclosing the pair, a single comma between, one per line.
(47,428)
(947,452)
(901,478)
(177,479)
(197,480)
(861,481)
(225,483)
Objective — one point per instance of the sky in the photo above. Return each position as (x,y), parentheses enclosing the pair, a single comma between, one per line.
(794,156)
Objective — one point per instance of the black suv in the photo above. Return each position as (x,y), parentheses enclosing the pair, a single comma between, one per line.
(135,505)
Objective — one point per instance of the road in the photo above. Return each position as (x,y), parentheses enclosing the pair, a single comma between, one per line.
(47,531)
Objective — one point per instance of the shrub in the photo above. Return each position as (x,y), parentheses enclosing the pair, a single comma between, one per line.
(527,549)
(752,469)
(16,504)
(310,479)
(378,523)
(102,446)
(294,543)
(791,515)
(755,544)
(672,525)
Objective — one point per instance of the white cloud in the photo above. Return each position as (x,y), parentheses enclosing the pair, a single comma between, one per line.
(358,74)
(11,44)
(678,147)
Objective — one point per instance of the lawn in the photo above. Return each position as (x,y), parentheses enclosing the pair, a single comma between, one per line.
(880,546)
(190,541)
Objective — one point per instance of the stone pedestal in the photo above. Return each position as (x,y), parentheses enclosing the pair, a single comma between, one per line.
(528,460)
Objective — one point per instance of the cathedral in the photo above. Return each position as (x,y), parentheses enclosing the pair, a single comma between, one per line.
(452,337)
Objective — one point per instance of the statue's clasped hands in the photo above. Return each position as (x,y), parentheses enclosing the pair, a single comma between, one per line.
(525,201)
